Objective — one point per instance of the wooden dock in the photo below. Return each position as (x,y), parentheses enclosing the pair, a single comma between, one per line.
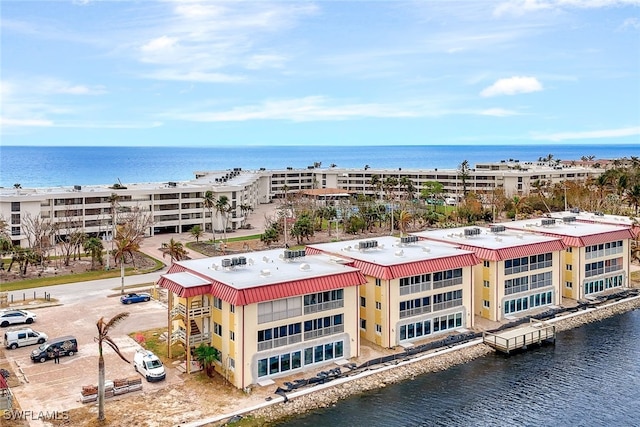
(536,332)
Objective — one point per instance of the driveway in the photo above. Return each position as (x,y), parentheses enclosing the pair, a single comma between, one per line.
(48,387)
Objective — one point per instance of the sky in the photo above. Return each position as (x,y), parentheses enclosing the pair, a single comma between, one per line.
(216,73)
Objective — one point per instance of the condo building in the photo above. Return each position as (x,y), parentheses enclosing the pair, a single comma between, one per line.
(178,206)
(596,257)
(268,313)
(518,272)
(414,290)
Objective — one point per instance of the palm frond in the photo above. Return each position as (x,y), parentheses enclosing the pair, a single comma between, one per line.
(116,319)
(115,348)
(100,324)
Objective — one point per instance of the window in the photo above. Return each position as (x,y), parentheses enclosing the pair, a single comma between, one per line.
(232,308)
(486,304)
(232,335)
(217,329)
(323,326)
(217,303)
(378,282)
(279,336)
(363,302)
(378,305)
(322,301)
(569,267)
(486,264)
(378,329)
(232,364)
(279,309)
(486,283)
(568,285)
(569,249)
(363,324)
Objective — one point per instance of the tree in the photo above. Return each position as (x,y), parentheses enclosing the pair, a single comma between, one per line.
(206,357)
(129,236)
(93,247)
(464,176)
(196,232)
(222,208)
(103,337)
(175,250)
(404,219)
(303,227)
(245,209)
(209,202)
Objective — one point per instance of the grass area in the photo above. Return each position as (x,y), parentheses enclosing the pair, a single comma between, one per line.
(150,340)
(77,277)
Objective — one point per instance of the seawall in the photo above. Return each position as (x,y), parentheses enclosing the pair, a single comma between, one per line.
(315,398)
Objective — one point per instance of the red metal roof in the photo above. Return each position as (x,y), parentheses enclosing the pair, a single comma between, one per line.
(264,293)
(515,251)
(387,272)
(593,239)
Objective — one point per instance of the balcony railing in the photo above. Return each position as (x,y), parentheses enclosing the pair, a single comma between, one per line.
(194,339)
(181,310)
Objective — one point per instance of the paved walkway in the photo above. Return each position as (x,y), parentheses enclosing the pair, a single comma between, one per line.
(258,220)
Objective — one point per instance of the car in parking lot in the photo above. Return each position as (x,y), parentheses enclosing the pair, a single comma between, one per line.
(133,297)
(22,336)
(14,317)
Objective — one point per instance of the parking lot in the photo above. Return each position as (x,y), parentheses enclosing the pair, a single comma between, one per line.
(48,387)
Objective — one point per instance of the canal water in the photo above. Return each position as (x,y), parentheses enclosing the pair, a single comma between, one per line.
(590,377)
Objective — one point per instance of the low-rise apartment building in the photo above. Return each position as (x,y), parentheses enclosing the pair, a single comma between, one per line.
(269,313)
(518,272)
(413,291)
(596,257)
(178,206)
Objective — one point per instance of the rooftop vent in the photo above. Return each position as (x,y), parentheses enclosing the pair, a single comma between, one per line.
(226,262)
(265,272)
(77,187)
(471,231)
(172,184)
(291,254)
(598,214)
(399,253)
(568,219)
(575,210)
(548,221)
(368,244)
(305,267)
(408,239)
(498,228)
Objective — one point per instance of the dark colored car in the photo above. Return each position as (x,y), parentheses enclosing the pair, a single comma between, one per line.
(67,346)
(135,297)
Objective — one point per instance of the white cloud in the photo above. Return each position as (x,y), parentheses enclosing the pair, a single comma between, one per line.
(498,112)
(193,76)
(522,7)
(594,134)
(311,108)
(631,23)
(10,122)
(159,44)
(512,86)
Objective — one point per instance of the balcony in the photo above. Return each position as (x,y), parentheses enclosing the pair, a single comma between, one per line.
(194,339)
(194,311)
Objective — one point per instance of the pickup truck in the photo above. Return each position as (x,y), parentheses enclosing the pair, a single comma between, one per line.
(149,365)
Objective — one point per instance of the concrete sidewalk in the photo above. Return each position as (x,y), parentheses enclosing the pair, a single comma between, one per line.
(258,219)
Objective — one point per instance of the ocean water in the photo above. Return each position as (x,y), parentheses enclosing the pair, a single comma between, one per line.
(63,166)
(590,378)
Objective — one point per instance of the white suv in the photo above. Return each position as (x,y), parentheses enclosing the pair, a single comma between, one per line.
(14,317)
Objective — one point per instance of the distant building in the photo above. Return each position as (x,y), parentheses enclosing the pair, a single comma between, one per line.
(177,206)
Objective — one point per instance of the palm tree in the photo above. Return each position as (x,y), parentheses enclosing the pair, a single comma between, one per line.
(127,242)
(196,232)
(206,357)
(103,337)
(222,208)
(175,250)
(209,202)
(93,247)
(404,218)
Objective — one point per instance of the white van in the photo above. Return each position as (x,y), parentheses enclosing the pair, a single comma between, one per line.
(23,336)
(149,365)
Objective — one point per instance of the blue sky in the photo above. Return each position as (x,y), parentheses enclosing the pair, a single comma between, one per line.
(190,73)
